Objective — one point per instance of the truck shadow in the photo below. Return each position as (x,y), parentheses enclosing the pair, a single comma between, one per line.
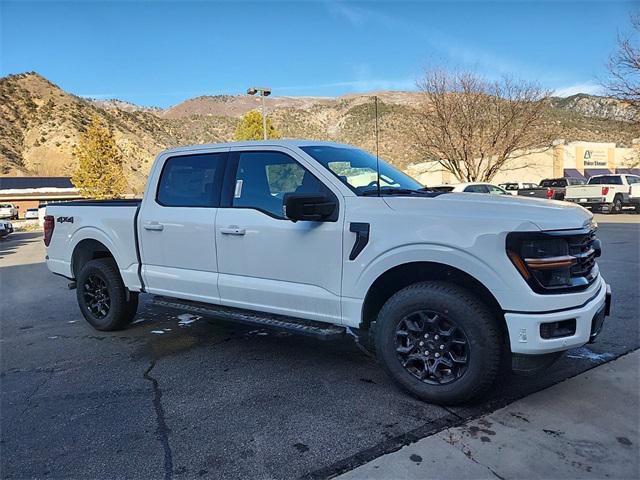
(11,243)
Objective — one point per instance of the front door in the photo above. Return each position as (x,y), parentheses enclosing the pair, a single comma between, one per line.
(267,262)
(177,228)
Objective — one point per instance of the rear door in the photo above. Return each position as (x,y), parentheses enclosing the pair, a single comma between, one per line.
(176,226)
(267,262)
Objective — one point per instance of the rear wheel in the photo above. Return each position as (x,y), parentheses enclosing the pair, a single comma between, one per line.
(616,206)
(102,296)
(439,342)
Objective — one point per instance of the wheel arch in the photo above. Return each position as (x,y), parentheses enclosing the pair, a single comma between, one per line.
(86,250)
(400,276)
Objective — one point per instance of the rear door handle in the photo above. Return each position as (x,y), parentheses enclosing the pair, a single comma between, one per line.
(233,230)
(153,226)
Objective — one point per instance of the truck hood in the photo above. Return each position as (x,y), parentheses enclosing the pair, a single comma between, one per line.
(545,214)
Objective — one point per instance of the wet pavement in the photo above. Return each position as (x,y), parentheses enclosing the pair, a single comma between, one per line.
(184,397)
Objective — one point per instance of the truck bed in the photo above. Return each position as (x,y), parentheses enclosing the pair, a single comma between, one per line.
(124,202)
(110,222)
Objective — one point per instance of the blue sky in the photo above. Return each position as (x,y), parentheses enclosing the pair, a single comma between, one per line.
(162,52)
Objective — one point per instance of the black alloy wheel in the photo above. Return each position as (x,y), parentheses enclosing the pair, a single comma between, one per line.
(96,296)
(432,347)
(102,297)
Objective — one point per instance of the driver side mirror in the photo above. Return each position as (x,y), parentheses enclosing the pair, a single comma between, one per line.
(311,207)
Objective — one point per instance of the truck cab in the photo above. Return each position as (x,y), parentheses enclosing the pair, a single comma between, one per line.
(321,238)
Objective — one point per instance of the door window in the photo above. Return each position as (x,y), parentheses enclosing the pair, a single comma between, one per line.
(264,178)
(191,180)
(476,189)
(495,190)
(632,179)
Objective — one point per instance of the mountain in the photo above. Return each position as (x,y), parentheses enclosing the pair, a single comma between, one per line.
(40,124)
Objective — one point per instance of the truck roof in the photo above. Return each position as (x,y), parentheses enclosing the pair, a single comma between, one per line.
(253,143)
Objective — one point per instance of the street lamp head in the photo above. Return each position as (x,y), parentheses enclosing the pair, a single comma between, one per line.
(265,92)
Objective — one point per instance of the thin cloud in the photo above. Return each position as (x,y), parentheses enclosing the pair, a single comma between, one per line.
(353,85)
(586,87)
(458,53)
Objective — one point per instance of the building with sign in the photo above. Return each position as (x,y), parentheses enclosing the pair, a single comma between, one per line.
(564,159)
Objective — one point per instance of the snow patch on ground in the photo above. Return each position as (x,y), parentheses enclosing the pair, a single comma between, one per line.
(157,332)
(187,319)
(585,353)
(262,333)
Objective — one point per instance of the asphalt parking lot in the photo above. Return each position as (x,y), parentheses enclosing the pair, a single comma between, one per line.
(176,398)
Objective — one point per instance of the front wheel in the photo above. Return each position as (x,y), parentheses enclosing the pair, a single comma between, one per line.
(439,342)
(102,296)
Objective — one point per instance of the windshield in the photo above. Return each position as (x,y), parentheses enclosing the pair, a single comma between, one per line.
(357,169)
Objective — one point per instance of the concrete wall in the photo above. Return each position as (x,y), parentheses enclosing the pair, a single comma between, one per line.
(535,166)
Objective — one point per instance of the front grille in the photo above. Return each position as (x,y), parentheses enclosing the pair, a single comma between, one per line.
(582,248)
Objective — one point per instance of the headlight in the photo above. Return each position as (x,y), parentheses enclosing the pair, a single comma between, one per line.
(543,261)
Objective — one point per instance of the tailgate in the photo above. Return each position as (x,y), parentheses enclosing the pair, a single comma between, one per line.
(583,191)
(533,192)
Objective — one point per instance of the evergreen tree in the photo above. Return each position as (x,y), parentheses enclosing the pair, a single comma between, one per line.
(250,127)
(99,173)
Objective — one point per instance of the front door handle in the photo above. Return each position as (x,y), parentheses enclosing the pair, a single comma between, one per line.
(154,226)
(233,230)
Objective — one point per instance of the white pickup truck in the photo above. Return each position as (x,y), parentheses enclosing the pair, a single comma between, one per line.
(446,288)
(609,193)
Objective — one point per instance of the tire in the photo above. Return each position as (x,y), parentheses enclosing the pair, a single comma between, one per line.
(616,206)
(440,304)
(102,296)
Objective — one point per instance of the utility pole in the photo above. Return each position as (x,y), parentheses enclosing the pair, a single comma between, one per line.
(264,92)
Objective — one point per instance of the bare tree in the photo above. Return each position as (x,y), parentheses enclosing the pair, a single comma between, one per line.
(474,128)
(624,66)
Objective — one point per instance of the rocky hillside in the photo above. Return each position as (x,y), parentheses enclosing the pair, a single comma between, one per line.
(40,123)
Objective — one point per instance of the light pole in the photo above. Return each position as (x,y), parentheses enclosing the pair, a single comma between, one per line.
(264,92)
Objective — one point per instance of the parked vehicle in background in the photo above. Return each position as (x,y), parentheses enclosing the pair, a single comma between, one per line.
(607,193)
(31,213)
(8,210)
(296,235)
(551,188)
(472,187)
(513,187)
(634,196)
(5,228)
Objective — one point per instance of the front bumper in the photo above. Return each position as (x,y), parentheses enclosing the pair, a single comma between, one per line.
(524,328)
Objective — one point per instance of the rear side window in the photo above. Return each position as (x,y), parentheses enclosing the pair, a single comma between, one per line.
(191,180)
(606,180)
(264,178)
(556,183)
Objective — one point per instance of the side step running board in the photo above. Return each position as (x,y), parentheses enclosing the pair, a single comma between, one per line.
(320,330)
